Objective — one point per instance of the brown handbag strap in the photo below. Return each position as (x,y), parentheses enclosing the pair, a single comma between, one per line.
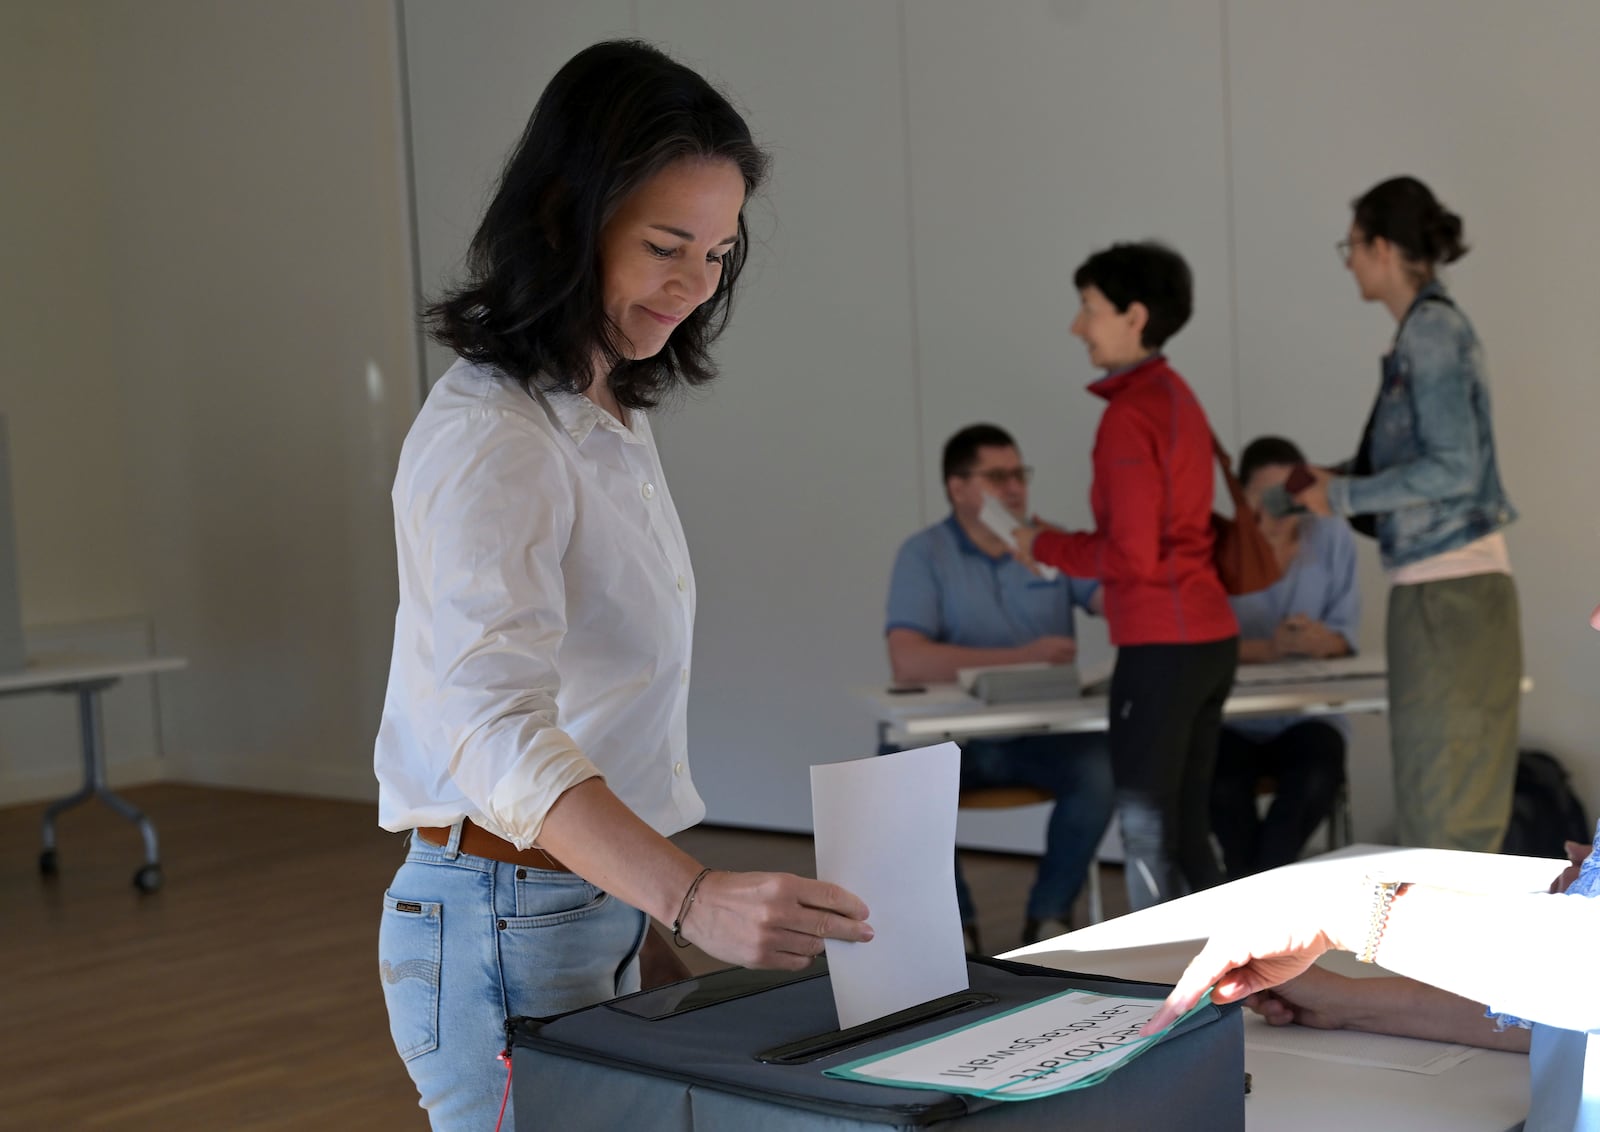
(1235,488)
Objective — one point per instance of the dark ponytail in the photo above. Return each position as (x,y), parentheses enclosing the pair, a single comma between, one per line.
(1405,212)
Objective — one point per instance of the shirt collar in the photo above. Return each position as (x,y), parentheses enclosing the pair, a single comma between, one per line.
(964,541)
(580,416)
(1119,379)
(1432,289)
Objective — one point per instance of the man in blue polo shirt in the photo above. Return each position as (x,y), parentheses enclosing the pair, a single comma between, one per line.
(958,599)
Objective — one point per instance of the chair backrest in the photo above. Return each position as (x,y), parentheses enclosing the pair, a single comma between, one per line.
(1003,797)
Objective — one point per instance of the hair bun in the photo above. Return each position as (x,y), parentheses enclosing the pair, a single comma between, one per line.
(1443,233)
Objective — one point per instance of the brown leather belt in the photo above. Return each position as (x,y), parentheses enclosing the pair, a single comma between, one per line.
(481,843)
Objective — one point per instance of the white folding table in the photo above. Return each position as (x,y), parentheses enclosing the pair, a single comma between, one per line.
(86,677)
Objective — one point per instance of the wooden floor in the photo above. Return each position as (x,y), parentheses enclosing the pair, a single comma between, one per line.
(244,995)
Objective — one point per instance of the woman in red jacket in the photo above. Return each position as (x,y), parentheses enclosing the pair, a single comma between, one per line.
(1176,637)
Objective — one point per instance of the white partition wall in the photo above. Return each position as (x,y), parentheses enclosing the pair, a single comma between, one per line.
(940,169)
(787,472)
(1491,105)
(472,77)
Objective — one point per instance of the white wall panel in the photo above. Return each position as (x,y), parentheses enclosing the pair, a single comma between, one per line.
(941,168)
(1041,133)
(262,340)
(473,74)
(791,473)
(1491,104)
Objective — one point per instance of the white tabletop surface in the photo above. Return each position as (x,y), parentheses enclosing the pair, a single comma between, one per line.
(944,709)
(64,669)
(1487,1092)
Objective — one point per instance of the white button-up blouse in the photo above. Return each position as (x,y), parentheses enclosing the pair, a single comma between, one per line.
(546,615)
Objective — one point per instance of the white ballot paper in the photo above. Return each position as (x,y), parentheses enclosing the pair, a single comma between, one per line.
(1002,522)
(1383,1051)
(1070,1040)
(886,830)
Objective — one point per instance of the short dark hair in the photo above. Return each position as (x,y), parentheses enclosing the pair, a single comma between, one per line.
(1266,451)
(961,450)
(1146,272)
(532,303)
(1405,212)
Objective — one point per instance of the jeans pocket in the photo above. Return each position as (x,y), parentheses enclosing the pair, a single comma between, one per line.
(410,942)
(546,905)
(570,954)
(541,894)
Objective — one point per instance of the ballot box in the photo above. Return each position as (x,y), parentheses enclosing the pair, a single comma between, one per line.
(737,1050)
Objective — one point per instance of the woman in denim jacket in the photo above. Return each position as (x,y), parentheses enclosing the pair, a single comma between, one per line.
(1426,485)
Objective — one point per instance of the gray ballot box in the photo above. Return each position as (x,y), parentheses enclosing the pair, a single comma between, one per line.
(689,1058)
(11,652)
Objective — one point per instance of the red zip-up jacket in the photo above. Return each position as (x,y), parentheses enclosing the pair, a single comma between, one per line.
(1151,498)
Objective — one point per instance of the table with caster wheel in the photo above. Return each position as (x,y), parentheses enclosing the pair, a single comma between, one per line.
(86,678)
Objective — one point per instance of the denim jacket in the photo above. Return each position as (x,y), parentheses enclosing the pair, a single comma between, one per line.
(1426,470)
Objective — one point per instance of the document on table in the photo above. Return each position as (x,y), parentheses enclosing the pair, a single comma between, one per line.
(1382,1051)
(1307,670)
(886,830)
(1068,1041)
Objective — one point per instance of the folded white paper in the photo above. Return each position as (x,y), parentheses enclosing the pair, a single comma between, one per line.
(886,830)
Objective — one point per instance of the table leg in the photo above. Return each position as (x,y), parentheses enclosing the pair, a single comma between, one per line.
(148,877)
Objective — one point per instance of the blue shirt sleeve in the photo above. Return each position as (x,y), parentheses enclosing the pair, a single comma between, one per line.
(1082,591)
(1341,609)
(914,591)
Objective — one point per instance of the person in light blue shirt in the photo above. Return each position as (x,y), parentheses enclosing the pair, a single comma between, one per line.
(959,599)
(1313,610)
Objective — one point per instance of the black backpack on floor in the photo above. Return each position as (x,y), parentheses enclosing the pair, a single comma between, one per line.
(1545,813)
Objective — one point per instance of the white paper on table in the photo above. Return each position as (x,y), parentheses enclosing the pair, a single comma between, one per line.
(886,830)
(1352,1047)
(1003,523)
(1036,1050)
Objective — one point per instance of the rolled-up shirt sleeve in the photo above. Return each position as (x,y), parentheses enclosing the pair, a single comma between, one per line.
(1522,954)
(490,522)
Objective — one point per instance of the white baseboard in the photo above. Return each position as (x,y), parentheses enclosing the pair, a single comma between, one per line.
(354,784)
(18,788)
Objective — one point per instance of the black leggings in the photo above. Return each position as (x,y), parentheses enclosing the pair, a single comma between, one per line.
(1307,760)
(1166,710)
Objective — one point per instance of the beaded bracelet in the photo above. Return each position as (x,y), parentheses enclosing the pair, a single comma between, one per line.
(683,909)
(1383,894)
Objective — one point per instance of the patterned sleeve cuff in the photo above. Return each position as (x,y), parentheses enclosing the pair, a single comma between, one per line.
(1506,1021)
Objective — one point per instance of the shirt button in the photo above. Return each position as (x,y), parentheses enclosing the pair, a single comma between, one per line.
(685,675)
(648,491)
(683,583)
(677,769)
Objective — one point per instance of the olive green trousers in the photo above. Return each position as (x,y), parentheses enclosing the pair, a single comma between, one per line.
(1455,676)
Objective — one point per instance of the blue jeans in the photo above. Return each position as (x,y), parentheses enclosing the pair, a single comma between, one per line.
(1077,770)
(467,942)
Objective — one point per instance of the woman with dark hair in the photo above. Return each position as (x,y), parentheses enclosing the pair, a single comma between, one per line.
(534,731)
(1426,485)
